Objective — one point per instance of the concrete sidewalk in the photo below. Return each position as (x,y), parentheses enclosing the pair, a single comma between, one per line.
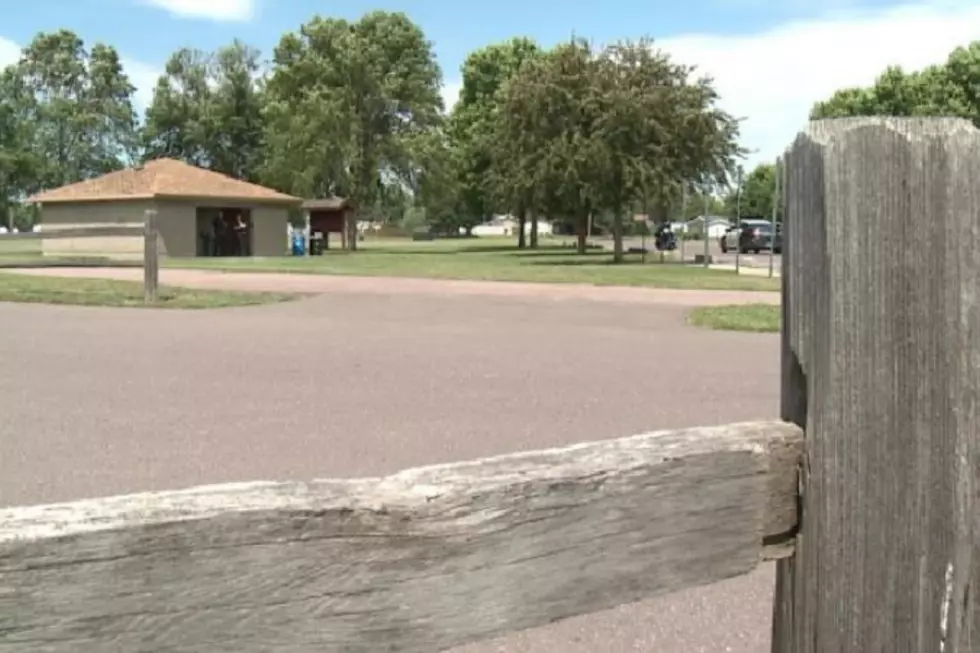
(747,270)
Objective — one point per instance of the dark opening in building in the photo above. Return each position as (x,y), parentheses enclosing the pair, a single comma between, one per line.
(224,232)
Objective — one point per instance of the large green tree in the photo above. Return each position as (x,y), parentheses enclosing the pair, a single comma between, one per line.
(19,164)
(434,183)
(657,130)
(78,106)
(345,102)
(756,195)
(588,133)
(207,111)
(471,128)
(545,135)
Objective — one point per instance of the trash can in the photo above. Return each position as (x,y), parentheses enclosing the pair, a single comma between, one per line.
(316,244)
(299,243)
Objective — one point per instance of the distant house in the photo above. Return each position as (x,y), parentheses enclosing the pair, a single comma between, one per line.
(501,225)
(717,225)
(506,225)
(653,225)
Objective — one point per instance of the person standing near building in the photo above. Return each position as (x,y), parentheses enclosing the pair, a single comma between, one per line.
(241,236)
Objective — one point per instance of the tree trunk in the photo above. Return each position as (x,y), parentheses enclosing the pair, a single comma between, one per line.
(534,230)
(521,224)
(618,235)
(583,233)
(351,225)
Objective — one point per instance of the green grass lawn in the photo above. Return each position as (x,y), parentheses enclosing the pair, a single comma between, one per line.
(28,253)
(492,259)
(105,292)
(14,252)
(757,318)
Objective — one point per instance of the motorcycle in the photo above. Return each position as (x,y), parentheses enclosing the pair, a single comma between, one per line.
(665,240)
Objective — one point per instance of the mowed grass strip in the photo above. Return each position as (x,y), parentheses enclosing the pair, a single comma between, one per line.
(15,252)
(105,292)
(489,259)
(756,318)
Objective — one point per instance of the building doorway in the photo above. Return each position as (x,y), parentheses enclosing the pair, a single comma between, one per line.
(224,232)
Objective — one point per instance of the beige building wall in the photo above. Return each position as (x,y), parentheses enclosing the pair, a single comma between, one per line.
(177,224)
(176,221)
(103,214)
(270,231)
(269,237)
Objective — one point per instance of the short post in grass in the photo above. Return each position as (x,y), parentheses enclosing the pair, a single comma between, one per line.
(684,220)
(738,221)
(151,263)
(704,225)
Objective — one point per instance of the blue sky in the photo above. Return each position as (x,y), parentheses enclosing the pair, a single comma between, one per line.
(771,58)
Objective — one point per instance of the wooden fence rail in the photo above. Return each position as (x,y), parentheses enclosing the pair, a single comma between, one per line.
(147,229)
(424,560)
(95,231)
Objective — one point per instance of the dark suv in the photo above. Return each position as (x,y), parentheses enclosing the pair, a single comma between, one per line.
(753,236)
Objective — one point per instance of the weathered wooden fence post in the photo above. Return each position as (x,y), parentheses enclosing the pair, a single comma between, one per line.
(151,261)
(882,367)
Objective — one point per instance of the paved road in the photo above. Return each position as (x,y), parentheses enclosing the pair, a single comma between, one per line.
(100,401)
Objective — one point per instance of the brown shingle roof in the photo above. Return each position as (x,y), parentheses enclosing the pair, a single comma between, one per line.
(328,204)
(162,178)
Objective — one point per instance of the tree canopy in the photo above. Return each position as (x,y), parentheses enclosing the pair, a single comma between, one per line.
(572,133)
(345,102)
(948,89)
(471,130)
(585,131)
(207,110)
(755,196)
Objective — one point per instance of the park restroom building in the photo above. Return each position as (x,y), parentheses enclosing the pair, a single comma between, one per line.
(199,212)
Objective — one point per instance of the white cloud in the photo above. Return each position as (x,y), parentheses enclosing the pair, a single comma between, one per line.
(144,77)
(218,10)
(773,78)
(9,52)
(450,94)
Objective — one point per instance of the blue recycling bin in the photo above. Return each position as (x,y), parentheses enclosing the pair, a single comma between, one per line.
(299,244)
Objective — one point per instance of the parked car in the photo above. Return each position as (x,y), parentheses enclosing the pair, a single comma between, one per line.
(752,235)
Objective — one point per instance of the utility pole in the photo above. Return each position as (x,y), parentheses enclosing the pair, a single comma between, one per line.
(684,220)
(738,219)
(777,183)
(705,234)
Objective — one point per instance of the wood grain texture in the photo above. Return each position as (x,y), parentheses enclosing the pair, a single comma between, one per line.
(151,257)
(882,365)
(421,561)
(77,232)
